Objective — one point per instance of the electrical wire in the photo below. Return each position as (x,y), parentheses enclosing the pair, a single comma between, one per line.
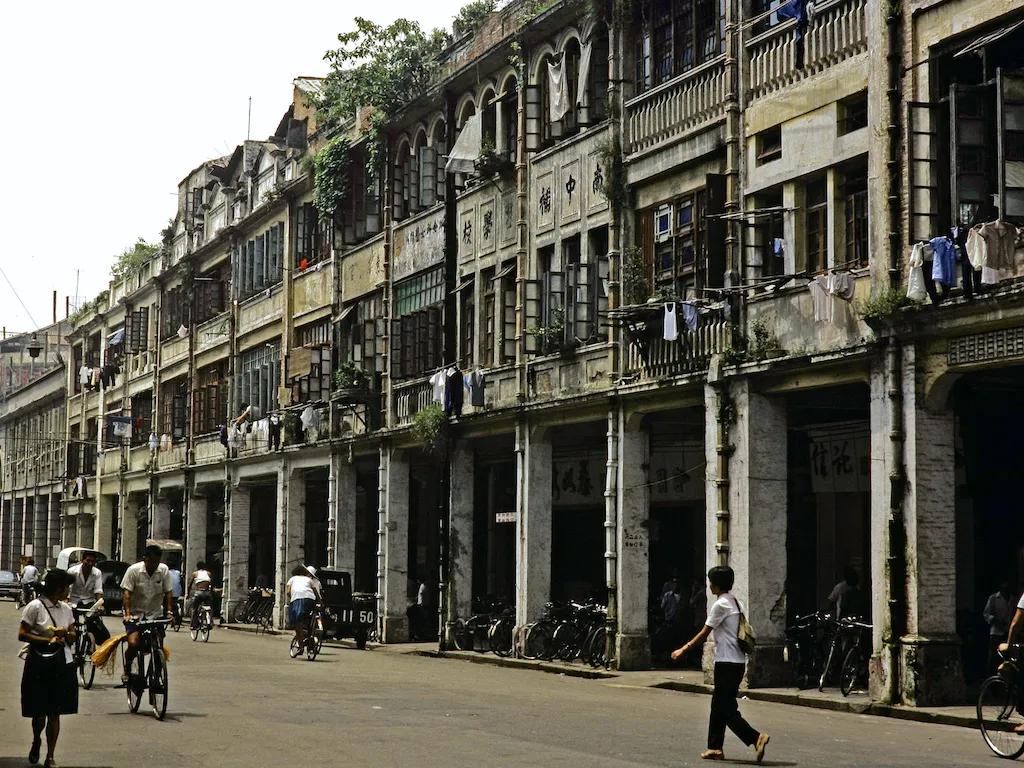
(17,296)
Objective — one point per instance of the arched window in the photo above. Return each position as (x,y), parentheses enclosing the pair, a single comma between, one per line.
(508,118)
(437,143)
(547,135)
(596,106)
(467,111)
(417,200)
(400,181)
(489,119)
(571,74)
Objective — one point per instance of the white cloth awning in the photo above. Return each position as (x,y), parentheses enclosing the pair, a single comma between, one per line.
(465,153)
(584,74)
(558,90)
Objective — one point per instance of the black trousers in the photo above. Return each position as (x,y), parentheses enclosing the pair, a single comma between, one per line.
(725,711)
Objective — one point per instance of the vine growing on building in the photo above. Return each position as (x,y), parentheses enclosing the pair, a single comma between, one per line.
(133,259)
(635,287)
(430,429)
(330,175)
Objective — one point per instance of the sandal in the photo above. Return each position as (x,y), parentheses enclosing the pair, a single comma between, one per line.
(33,752)
(712,754)
(762,742)
(50,763)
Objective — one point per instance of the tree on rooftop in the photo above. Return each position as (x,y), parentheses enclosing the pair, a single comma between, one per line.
(133,259)
(472,15)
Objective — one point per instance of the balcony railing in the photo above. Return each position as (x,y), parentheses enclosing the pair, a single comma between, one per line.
(675,108)
(837,32)
(410,398)
(655,358)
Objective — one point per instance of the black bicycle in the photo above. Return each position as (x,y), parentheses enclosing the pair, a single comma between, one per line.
(203,623)
(854,672)
(999,707)
(85,647)
(313,640)
(147,670)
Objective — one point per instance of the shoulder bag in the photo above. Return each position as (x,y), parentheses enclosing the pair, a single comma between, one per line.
(746,638)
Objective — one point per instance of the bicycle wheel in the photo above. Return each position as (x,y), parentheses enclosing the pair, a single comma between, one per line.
(850,672)
(460,635)
(295,649)
(998,716)
(536,641)
(158,684)
(566,641)
(828,665)
(194,632)
(206,627)
(136,682)
(86,669)
(501,637)
(593,653)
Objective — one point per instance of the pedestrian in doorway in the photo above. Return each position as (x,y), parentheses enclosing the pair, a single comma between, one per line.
(845,598)
(730,665)
(997,616)
(49,688)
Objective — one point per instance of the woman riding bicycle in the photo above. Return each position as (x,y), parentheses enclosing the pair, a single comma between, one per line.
(200,590)
(302,592)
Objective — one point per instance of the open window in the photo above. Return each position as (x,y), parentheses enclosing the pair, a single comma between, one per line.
(209,398)
(173,413)
(507,114)
(416,332)
(440,147)
(309,363)
(594,70)
(400,177)
(674,36)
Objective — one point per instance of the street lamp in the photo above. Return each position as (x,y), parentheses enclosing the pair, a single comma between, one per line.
(34,347)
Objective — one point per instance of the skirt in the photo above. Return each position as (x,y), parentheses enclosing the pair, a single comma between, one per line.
(49,686)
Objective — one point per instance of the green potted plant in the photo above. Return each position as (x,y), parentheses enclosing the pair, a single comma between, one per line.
(490,163)
(551,335)
(350,378)
(430,428)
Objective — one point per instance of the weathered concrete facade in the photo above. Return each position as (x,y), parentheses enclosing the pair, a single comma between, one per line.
(721,162)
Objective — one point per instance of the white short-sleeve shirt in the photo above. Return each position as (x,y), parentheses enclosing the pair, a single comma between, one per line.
(40,622)
(724,620)
(85,588)
(147,590)
(301,588)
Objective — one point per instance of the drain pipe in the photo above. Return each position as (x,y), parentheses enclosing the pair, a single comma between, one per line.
(383,466)
(611,527)
(897,557)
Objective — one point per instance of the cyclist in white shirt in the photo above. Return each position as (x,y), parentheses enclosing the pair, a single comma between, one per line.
(88,584)
(200,585)
(29,576)
(302,592)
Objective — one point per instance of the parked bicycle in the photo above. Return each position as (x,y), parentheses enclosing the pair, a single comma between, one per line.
(568,631)
(999,707)
(843,636)
(803,648)
(258,608)
(853,675)
(203,624)
(179,610)
(313,638)
(489,629)
(85,647)
(147,670)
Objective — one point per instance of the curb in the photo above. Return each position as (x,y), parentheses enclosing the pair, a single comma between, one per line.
(250,628)
(832,705)
(509,663)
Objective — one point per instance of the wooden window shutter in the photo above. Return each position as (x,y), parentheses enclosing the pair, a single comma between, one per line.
(1010,130)
(300,233)
(434,337)
(395,352)
(534,115)
(715,230)
(532,314)
(583,325)
(508,321)
(428,176)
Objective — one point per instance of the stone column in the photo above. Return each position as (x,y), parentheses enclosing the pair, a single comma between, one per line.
(633,645)
(19,527)
(533,525)
(291,527)
(195,534)
(236,550)
(160,522)
(344,511)
(460,549)
(53,532)
(130,511)
(930,670)
(393,546)
(103,527)
(5,534)
(757,522)
(40,512)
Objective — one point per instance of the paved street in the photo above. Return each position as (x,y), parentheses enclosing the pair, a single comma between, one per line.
(241,701)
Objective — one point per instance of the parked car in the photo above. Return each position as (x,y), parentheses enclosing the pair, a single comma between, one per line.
(10,585)
(113,572)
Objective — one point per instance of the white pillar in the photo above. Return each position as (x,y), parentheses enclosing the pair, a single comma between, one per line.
(195,535)
(930,651)
(460,510)
(52,528)
(393,546)
(633,645)
(757,520)
(344,511)
(236,548)
(130,528)
(160,522)
(103,531)
(533,526)
(291,527)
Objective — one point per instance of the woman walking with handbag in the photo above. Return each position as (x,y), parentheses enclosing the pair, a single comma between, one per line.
(725,618)
(49,688)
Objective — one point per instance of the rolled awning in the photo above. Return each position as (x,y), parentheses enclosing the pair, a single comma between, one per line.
(465,153)
(115,338)
(988,39)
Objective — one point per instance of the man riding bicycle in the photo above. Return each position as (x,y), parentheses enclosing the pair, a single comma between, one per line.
(29,577)
(200,589)
(1013,636)
(146,592)
(87,590)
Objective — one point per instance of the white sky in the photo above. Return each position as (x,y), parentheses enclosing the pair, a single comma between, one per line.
(106,106)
